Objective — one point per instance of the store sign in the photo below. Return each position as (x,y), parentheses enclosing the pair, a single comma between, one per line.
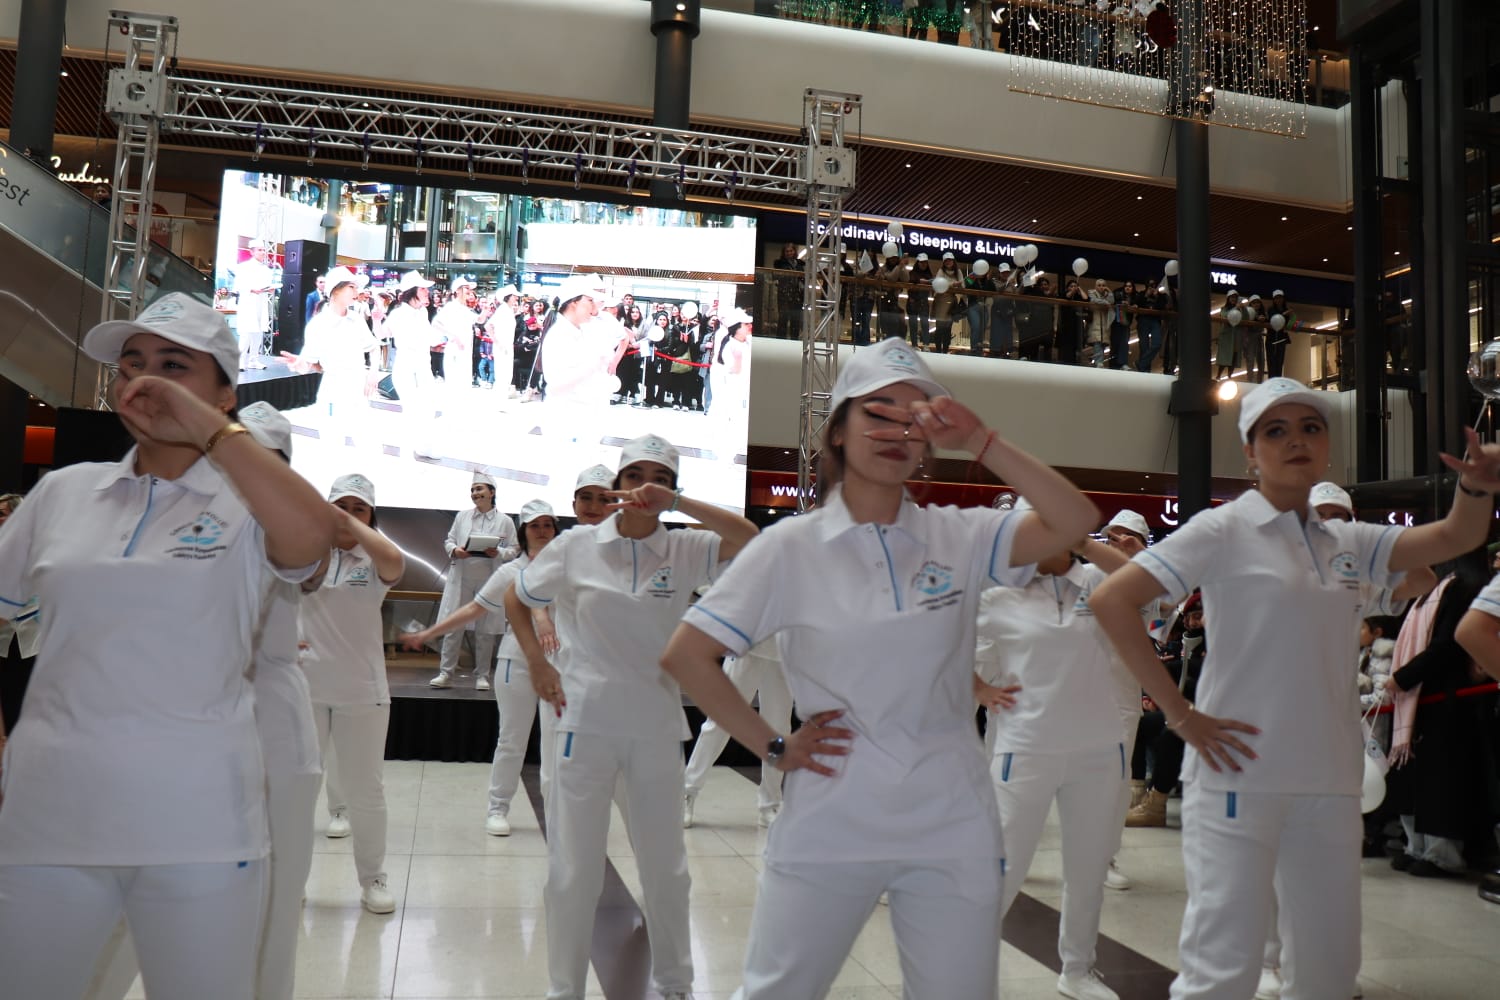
(78,176)
(922,241)
(1228,279)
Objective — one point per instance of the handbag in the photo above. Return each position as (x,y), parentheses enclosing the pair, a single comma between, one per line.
(681,368)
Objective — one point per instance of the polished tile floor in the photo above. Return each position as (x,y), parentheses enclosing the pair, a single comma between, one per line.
(469,923)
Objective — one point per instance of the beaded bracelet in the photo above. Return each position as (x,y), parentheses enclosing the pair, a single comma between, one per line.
(675,498)
(989,439)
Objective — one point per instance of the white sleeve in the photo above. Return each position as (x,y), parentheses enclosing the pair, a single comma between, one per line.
(742,608)
(1181,561)
(1372,546)
(492,594)
(994,533)
(453,541)
(698,553)
(18,549)
(539,584)
(1488,600)
(510,543)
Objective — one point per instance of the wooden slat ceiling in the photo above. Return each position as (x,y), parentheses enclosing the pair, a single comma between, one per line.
(936,188)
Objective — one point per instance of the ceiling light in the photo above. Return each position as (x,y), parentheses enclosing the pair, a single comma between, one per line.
(64,72)
(1398,253)
(908,166)
(925,207)
(1033,220)
(1325,260)
(1228,389)
(1140,197)
(1233,247)
(1135,234)
(1283,218)
(1350,228)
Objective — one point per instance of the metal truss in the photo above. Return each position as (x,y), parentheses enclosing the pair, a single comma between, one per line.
(829,172)
(491,139)
(137,96)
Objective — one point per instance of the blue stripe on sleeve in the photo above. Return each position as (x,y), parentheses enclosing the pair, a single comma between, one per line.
(14,604)
(521,582)
(479,599)
(704,611)
(1389,532)
(1182,585)
(1005,525)
(1481,599)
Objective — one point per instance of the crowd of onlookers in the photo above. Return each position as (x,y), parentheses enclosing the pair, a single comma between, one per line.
(1001,311)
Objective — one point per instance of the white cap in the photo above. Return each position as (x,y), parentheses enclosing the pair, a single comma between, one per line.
(534,509)
(921,256)
(1254,297)
(343,276)
(1004,268)
(610,299)
(886,363)
(259,245)
(1131,522)
(483,479)
(510,292)
(735,317)
(575,285)
(1274,392)
(269,428)
(649,448)
(177,317)
(413,279)
(1232,291)
(1278,292)
(595,475)
(353,485)
(948,256)
(1330,493)
(461,282)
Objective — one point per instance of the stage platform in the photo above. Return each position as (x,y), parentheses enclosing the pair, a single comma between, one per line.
(461,724)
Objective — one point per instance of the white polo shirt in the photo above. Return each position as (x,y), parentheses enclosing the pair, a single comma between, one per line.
(342,632)
(616,601)
(283,704)
(575,361)
(1488,599)
(1278,597)
(139,709)
(491,597)
(1044,637)
(339,344)
(879,621)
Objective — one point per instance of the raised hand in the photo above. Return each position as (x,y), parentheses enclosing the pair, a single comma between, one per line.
(167,412)
(1479,469)
(648,498)
(944,422)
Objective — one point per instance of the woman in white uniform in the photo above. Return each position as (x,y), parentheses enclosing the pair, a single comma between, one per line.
(1062,742)
(757,673)
(516,701)
(616,590)
(730,374)
(469,566)
(337,342)
(153,573)
(409,332)
(873,601)
(344,659)
(1273,770)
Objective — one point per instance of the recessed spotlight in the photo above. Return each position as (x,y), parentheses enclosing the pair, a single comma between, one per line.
(64,72)
(925,207)
(1398,253)
(1325,260)
(1283,218)
(908,166)
(1135,234)
(1350,228)
(1140,197)
(1033,220)
(1233,247)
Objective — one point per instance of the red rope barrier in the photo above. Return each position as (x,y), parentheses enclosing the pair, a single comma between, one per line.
(1431,699)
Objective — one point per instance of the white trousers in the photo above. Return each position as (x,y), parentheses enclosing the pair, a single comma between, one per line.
(484,645)
(1086,786)
(649,770)
(1241,851)
(517,703)
(194,927)
(291,801)
(945,915)
(749,674)
(357,733)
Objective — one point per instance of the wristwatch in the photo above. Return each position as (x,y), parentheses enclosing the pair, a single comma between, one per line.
(775,750)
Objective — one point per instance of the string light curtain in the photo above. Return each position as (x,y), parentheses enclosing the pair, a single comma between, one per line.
(1124,55)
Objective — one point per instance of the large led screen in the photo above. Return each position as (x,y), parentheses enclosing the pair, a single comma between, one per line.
(476,400)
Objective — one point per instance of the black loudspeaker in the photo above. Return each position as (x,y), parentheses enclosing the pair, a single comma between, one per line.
(291,308)
(306,256)
(88,436)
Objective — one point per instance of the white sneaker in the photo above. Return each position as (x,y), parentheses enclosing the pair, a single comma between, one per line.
(1270,985)
(1089,987)
(687,810)
(1116,879)
(497,825)
(768,814)
(338,827)
(482,684)
(441,681)
(377,898)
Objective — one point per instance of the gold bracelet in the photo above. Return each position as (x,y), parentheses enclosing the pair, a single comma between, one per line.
(227,431)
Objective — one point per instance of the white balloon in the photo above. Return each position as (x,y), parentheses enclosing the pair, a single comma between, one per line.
(689,310)
(1234,317)
(1021,256)
(981,267)
(1372,787)
(894,230)
(941,284)
(890,250)
(657,335)
(1080,267)
(1172,268)
(1278,322)
(1032,252)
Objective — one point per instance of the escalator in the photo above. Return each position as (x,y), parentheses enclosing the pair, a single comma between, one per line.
(52,254)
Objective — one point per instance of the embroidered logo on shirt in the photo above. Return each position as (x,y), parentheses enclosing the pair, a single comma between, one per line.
(933,579)
(660,584)
(199,538)
(359,576)
(1345,567)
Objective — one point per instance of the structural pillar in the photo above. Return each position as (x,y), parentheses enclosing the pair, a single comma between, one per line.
(39,53)
(1372,337)
(1193,400)
(14,409)
(675,25)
